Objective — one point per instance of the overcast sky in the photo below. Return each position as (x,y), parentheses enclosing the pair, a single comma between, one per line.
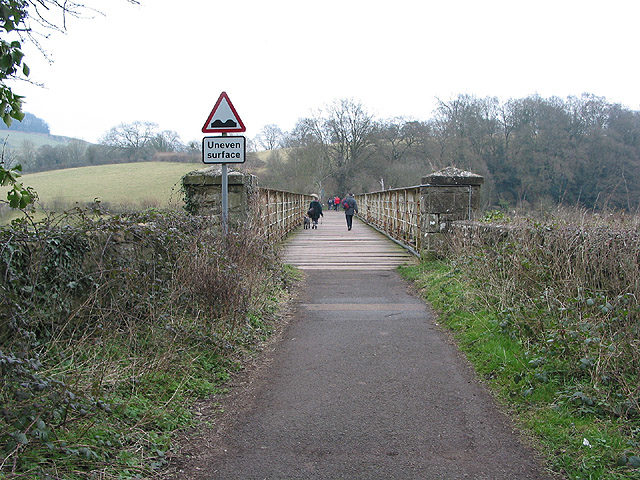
(167,62)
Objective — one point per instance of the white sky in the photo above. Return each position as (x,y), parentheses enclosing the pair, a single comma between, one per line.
(167,61)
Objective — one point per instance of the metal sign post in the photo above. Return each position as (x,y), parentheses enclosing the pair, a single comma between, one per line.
(225,197)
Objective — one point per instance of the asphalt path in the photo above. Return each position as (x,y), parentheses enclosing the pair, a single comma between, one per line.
(364,384)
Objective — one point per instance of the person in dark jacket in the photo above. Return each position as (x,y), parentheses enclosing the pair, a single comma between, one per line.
(350,209)
(315,211)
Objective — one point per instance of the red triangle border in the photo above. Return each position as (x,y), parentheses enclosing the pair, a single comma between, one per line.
(239,128)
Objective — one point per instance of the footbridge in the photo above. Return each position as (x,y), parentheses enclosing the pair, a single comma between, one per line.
(333,247)
(391,224)
(363,383)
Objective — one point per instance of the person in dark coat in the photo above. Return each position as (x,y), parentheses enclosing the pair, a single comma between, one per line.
(315,211)
(350,209)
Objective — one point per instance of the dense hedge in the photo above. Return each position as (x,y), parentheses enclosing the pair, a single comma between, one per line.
(110,327)
(568,287)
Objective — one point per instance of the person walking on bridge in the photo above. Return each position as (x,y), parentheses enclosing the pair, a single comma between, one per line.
(350,207)
(315,210)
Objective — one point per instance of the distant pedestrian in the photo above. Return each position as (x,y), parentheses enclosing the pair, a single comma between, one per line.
(350,208)
(336,203)
(315,211)
(330,203)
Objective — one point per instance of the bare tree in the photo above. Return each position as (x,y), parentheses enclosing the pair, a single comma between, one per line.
(133,138)
(167,141)
(398,136)
(270,137)
(350,129)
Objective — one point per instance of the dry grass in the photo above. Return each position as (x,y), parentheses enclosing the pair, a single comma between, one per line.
(568,285)
(111,326)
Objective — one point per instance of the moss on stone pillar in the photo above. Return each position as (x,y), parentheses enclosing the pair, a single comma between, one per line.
(203,193)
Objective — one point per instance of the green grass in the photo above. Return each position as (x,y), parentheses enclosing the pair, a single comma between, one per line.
(131,185)
(560,428)
(128,183)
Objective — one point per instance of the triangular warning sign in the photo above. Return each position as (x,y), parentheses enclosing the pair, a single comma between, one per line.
(223,118)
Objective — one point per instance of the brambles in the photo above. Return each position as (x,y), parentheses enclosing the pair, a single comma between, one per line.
(111,326)
(569,287)
(558,302)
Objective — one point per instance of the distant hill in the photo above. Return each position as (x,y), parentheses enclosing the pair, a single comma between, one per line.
(258,162)
(132,184)
(30,123)
(126,185)
(31,129)
(15,139)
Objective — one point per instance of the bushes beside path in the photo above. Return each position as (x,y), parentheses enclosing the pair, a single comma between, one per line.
(548,312)
(112,326)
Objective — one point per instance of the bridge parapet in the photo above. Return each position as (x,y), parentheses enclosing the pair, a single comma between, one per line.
(396,212)
(274,213)
(278,211)
(417,216)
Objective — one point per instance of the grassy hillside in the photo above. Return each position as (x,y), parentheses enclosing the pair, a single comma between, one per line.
(258,162)
(16,139)
(144,184)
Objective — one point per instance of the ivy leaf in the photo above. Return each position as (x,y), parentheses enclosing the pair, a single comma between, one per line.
(6,62)
(25,199)
(13,196)
(20,438)
(17,56)
(25,70)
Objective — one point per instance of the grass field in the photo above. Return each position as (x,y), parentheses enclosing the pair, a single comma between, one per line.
(144,184)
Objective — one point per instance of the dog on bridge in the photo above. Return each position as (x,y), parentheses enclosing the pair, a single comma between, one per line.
(307,223)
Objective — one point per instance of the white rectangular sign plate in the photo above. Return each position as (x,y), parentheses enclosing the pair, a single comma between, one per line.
(224,149)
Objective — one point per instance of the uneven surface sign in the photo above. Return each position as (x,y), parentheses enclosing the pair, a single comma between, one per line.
(224,149)
(223,118)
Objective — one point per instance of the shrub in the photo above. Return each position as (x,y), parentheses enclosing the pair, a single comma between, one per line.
(110,325)
(567,286)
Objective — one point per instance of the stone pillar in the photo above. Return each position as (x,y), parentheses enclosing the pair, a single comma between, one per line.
(203,193)
(445,196)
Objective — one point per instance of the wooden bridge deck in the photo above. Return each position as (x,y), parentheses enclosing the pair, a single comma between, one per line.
(332,247)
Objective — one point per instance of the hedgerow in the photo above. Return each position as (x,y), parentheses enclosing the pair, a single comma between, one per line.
(550,314)
(111,326)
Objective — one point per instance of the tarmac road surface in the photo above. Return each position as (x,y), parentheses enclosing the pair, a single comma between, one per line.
(365,385)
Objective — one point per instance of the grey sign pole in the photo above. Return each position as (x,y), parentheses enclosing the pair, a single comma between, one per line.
(225,197)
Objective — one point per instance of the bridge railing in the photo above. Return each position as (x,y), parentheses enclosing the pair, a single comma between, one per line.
(415,216)
(277,212)
(396,212)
